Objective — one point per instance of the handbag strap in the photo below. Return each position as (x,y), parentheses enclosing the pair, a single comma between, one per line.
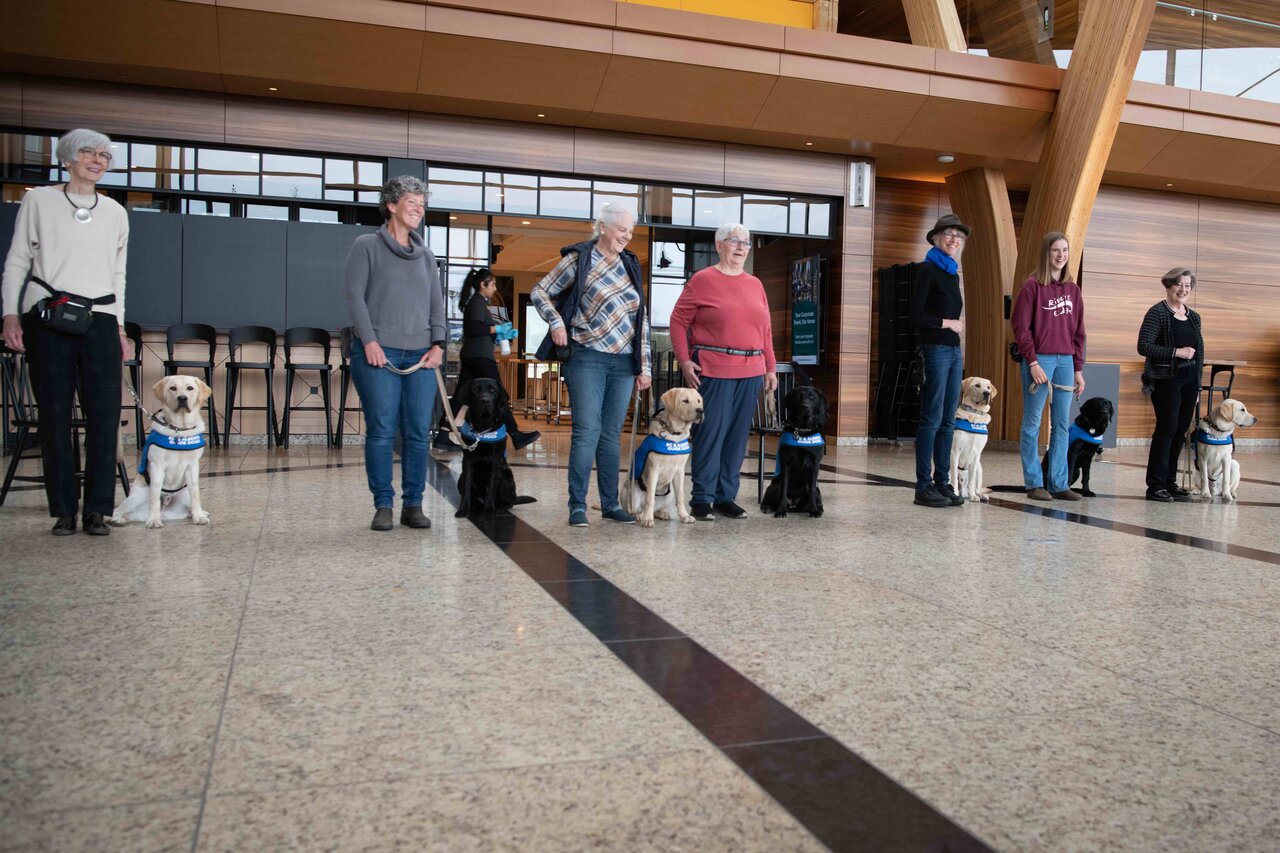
(101,300)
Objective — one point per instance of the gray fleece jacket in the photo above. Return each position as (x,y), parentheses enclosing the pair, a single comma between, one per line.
(393,293)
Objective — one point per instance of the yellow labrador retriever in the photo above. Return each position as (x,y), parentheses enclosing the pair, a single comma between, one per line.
(168,486)
(1213,449)
(970,437)
(655,485)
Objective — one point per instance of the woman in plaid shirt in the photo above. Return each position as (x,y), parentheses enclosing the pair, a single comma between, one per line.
(594,303)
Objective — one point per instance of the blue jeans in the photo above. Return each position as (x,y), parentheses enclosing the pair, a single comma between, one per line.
(939,397)
(1061,371)
(600,387)
(392,402)
(720,441)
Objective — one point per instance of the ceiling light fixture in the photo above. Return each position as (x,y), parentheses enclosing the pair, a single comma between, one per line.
(1168,185)
(525,222)
(272,89)
(808,143)
(542,115)
(946,158)
(453,217)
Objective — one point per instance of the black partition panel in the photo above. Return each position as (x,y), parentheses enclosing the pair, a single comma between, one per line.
(8,219)
(317,257)
(233,271)
(153,281)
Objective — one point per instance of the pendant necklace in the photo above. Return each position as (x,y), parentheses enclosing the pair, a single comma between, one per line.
(83,215)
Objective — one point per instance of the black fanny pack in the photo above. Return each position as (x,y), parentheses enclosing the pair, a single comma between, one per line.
(64,312)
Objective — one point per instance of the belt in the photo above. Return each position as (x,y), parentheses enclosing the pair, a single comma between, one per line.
(748,353)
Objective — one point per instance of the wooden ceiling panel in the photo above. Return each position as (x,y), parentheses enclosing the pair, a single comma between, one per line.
(1135,145)
(1214,158)
(11,101)
(726,56)
(266,46)
(946,125)
(128,74)
(601,13)
(809,107)
(653,19)
(656,157)
(601,120)
(170,113)
(535,75)
(454,139)
(255,87)
(497,109)
(144,33)
(295,124)
(1237,242)
(799,171)
(689,94)
(1128,235)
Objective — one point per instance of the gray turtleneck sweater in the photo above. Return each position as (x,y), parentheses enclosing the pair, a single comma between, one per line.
(393,293)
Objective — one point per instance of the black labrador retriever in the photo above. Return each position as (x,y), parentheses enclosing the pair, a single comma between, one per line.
(487,486)
(1084,442)
(800,451)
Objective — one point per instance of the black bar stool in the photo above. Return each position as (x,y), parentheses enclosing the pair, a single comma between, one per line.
(306,336)
(180,332)
(134,333)
(344,382)
(237,338)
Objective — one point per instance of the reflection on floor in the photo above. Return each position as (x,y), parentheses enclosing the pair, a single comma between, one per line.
(1102,674)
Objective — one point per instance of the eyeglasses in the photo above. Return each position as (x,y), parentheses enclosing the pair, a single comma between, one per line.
(739,243)
(95,154)
(954,235)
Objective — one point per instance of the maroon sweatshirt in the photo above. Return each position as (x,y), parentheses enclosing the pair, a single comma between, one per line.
(1057,327)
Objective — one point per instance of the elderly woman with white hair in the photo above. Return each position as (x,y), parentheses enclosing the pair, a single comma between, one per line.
(723,337)
(397,313)
(593,300)
(68,254)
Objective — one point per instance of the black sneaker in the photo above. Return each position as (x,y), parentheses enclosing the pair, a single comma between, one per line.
(702,512)
(729,509)
(1161,496)
(1178,494)
(95,525)
(930,496)
(64,526)
(950,494)
(521,440)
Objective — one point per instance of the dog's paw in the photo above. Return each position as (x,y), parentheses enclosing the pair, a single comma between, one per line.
(782,513)
(1088,493)
(984,499)
(688,519)
(815,513)
(200,517)
(645,520)
(117,521)
(662,514)
(154,523)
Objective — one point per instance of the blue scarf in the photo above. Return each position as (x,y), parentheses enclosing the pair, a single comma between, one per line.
(790,439)
(155,438)
(657,444)
(1077,431)
(969,426)
(942,260)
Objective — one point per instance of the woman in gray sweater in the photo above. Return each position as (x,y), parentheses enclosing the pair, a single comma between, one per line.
(397,311)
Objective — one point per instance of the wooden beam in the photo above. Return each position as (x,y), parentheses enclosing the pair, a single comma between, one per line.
(935,23)
(981,199)
(826,15)
(1084,125)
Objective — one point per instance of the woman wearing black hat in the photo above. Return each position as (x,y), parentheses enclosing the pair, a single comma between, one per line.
(936,304)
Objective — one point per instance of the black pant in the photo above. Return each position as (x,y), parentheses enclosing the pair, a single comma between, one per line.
(61,365)
(472,367)
(1174,400)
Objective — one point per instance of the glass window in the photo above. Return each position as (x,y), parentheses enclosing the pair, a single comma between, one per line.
(455,189)
(567,197)
(118,174)
(626,195)
(162,167)
(469,246)
(266,211)
(681,206)
(668,259)
(819,219)
(292,177)
(437,240)
(228,171)
(202,207)
(510,193)
(370,177)
(664,292)
(713,208)
(799,212)
(765,213)
(318,214)
(339,179)
(146,202)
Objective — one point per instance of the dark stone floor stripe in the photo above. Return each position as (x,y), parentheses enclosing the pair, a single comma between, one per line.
(1242,479)
(1102,523)
(843,800)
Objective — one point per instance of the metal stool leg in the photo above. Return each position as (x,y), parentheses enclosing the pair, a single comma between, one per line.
(328,412)
(342,407)
(288,406)
(229,408)
(213,417)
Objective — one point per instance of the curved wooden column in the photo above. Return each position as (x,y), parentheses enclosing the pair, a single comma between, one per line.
(935,23)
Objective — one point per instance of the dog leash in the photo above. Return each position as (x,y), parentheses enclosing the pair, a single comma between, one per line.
(635,426)
(444,399)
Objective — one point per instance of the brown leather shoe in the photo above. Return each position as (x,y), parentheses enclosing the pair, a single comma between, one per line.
(1039,494)
(1068,495)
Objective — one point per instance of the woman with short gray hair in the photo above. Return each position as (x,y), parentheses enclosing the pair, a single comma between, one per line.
(71,243)
(593,300)
(722,335)
(397,314)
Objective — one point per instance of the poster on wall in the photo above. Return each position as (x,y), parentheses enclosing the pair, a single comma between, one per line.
(806,283)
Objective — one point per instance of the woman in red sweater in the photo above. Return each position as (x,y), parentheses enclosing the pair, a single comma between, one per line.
(723,338)
(1048,323)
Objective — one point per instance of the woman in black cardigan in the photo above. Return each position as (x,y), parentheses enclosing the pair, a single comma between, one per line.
(477,361)
(1171,342)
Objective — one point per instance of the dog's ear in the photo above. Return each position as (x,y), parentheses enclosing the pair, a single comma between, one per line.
(1226,411)
(504,399)
(821,418)
(157,390)
(205,392)
(994,392)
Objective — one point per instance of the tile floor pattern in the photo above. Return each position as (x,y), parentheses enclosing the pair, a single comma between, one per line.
(288,679)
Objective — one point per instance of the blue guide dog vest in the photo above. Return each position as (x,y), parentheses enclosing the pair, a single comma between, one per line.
(497,436)
(970,426)
(657,444)
(1203,437)
(1077,431)
(790,439)
(169,442)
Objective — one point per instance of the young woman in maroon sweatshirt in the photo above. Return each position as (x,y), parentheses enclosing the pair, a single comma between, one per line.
(1048,323)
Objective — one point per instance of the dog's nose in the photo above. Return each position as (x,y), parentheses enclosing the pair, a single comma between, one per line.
(986,395)
(182,399)
(699,411)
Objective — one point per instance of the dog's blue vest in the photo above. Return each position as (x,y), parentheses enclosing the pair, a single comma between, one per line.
(169,442)
(657,444)
(1077,431)
(1203,437)
(790,439)
(969,426)
(496,436)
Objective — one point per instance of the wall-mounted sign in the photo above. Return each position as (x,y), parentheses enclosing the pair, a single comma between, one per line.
(806,297)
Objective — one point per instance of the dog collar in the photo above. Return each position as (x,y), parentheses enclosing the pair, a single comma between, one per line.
(969,426)
(971,410)
(156,417)
(1203,437)
(1078,432)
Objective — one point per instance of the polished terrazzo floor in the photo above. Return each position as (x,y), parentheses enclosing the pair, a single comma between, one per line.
(1097,675)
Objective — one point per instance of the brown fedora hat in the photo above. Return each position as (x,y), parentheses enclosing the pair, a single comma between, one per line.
(950,220)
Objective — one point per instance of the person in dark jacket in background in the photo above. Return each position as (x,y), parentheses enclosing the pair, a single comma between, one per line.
(935,310)
(476,357)
(1173,346)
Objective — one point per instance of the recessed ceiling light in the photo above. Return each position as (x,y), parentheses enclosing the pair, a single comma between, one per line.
(272,89)
(808,143)
(542,115)
(946,158)
(525,222)
(1168,185)
(453,217)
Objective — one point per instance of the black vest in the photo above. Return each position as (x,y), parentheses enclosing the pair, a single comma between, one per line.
(567,300)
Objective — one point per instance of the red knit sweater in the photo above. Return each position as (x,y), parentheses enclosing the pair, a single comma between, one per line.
(724,311)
